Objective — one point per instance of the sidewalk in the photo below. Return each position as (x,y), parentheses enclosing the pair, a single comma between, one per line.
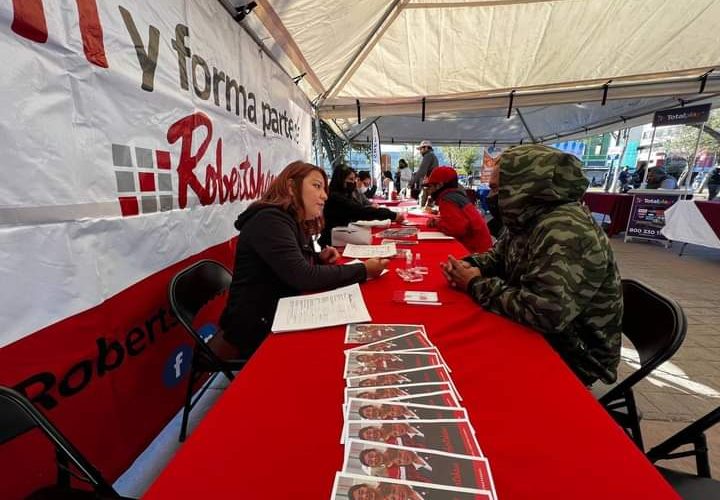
(688,386)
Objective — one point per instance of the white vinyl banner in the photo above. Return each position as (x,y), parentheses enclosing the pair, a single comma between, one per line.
(376,163)
(133,134)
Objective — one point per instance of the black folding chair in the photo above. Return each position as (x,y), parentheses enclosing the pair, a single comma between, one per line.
(190,290)
(18,416)
(656,326)
(690,486)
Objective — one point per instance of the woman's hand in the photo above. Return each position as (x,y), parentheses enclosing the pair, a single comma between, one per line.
(433,222)
(374,267)
(400,217)
(329,255)
(459,273)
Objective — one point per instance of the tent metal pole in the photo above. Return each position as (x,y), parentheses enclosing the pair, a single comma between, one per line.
(527,129)
(687,174)
(647,167)
(364,128)
(616,175)
(318,140)
(356,58)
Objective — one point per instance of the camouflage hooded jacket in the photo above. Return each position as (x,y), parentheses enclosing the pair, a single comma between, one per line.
(553,269)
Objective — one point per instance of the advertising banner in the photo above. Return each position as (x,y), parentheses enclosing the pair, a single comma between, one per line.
(376,157)
(133,134)
(681,116)
(488,167)
(647,216)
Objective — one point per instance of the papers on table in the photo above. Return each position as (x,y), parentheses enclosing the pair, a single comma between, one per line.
(372,362)
(433,235)
(336,307)
(420,212)
(369,251)
(426,466)
(405,431)
(364,334)
(390,393)
(403,232)
(372,223)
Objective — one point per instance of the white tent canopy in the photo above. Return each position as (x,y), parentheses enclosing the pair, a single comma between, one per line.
(445,59)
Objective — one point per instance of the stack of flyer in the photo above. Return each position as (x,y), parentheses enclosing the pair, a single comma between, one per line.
(406,435)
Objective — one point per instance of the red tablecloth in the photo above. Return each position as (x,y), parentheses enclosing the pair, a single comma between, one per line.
(274,433)
(617,206)
(711,211)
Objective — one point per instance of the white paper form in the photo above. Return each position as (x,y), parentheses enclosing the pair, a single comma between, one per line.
(369,251)
(433,235)
(336,307)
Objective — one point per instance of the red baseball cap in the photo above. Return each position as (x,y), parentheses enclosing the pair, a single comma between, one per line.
(442,175)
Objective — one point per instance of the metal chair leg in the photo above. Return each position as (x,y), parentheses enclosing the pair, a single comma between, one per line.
(634,421)
(702,462)
(188,402)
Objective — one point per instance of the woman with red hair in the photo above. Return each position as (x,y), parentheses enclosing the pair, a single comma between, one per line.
(275,257)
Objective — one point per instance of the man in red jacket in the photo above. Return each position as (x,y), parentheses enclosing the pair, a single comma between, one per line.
(458,216)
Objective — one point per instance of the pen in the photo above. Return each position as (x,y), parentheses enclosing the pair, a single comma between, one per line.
(416,303)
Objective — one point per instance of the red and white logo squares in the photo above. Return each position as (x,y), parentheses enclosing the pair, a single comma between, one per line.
(145,184)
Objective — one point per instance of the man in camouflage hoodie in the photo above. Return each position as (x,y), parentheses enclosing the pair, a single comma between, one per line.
(553,268)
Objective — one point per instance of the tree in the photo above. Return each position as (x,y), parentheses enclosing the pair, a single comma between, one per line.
(462,158)
(684,143)
(410,155)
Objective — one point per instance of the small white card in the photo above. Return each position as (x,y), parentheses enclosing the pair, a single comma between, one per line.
(433,235)
(420,296)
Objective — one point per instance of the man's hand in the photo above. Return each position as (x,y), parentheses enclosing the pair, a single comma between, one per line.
(459,273)
(433,222)
(329,255)
(400,217)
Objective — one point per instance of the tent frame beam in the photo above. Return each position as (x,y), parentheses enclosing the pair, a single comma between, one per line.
(522,98)
(387,19)
(527,129)
(488,3)
(552,138)
(272,22)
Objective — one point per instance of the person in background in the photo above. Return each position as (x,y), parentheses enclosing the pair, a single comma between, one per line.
(553,268)
(364,178)
(714,183)
(428,163)
(275,257)
(639,175)
(388,185)
(363,184)
(458,216)
(624,179)
(404,177)
(658,178)
(341,209)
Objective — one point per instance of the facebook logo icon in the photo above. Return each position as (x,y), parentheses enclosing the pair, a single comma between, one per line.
(177,365)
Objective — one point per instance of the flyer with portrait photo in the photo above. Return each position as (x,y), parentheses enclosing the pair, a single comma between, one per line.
(375,459)
(415,376)
(357,487)
(372,362)
(456,436)
(371,409)
(365,333)
(441,398)
(395,392)
(404,342)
